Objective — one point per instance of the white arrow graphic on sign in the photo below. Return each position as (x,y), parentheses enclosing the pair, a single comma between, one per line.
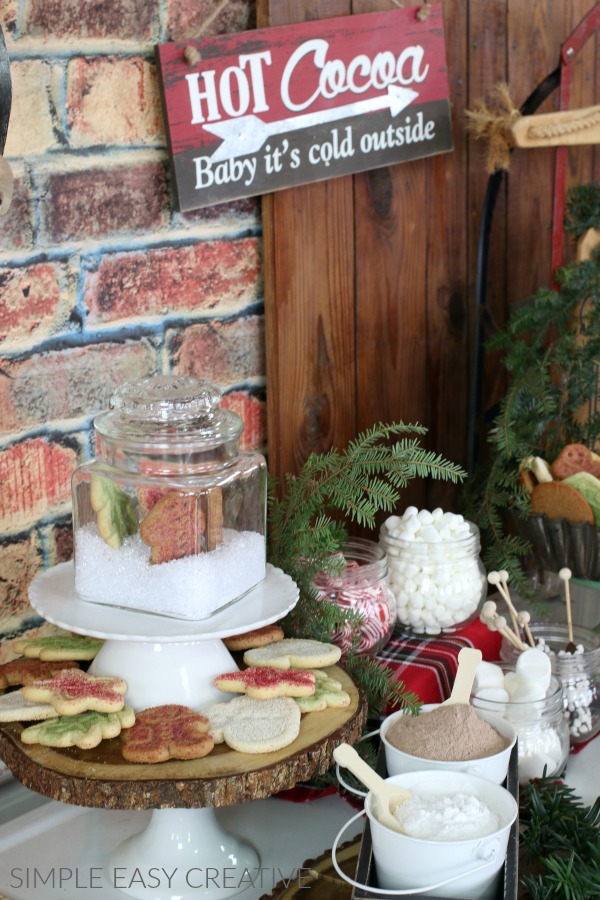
(247,134)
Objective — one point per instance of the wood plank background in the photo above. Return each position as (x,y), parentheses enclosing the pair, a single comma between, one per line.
(370,279)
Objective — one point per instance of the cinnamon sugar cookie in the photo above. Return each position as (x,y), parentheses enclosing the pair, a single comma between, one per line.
(558,500)
(254,726)
(264,682)
(258,637)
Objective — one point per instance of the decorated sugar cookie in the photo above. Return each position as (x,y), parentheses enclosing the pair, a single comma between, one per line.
(72,692)
(15,708)
(167,732)
(254,726)
(264,682)
(294,653)
(115,511)
(173,527)
(328,693)
(24,671)
(84,730)
(54,647)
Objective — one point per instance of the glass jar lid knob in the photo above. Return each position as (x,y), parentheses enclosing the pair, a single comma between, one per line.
(166,398)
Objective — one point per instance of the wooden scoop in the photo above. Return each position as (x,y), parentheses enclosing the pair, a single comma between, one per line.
(468,660)
(387,796)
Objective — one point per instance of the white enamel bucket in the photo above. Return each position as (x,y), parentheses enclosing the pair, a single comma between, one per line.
(466,869)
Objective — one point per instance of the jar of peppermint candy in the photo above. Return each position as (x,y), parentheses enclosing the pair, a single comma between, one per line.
(435,572)
(360,584)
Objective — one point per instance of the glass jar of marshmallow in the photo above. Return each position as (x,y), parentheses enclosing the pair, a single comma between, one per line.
(530,697)
(435,572)
(578,672)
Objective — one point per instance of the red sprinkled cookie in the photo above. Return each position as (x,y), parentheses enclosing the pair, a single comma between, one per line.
(265,682)
(72,692)
(259,637)
(24,671)
(166,732)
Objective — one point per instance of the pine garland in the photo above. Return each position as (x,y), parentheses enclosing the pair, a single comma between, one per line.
(551,349)
(307,529)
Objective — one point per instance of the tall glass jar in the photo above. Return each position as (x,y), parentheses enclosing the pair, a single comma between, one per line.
(438,585)
(578,672)
(542,731)
(170,517)
(361,585)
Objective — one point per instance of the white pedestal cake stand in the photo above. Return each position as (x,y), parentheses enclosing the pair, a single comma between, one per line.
(168,660)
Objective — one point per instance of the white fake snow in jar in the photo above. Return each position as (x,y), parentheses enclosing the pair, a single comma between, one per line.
(434,569)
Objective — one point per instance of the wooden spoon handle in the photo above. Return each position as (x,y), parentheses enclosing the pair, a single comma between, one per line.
(468,660)
(346,756)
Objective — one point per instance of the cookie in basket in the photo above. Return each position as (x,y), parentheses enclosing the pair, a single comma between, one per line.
(558,500)
(72,692)
(328,694)
(265,682)
(24,671)
(85,730)
(167,732)
(55,647)
(258,637)
(298,653)
(254,726)
(575,458)
(15,708)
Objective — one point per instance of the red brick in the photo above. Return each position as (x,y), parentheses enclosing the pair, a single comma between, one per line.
(113,101)
(16,227)
(36,481)
(68,384)
(240,213)
(31,305)
(253,413)
(60,544)
(214,275)
(20,562)
(189,19)
(103,201)
(125,19)
(223,352)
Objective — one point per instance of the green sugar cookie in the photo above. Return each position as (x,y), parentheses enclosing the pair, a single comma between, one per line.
(55,647)
(84,730)
(115,511)
(328,693)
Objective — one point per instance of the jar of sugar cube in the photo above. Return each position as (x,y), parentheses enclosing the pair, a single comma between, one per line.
(170,516)
(435,572)
(578,672)
(530,697)
(357,581)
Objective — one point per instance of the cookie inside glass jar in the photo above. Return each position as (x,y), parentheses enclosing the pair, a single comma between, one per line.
(170,516)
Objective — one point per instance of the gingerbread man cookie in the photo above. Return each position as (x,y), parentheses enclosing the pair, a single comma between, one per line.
(72,692)
(264,682)
(298,653)
(254,726)
(84,730)
(166,732)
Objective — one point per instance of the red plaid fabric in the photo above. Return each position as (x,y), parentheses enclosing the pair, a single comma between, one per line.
(427,665)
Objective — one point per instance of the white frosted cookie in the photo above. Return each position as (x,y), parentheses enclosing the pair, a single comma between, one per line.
(254,726)
(15,708)
(298,653)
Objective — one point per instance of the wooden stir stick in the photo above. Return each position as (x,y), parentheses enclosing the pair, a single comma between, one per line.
(565,575)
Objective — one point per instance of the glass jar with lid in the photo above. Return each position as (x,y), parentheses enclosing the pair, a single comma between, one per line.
(360,584)
(170,516)
(542,730)
(435,571)
(578,672)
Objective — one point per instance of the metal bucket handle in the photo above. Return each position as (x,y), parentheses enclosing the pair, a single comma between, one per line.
(488,850)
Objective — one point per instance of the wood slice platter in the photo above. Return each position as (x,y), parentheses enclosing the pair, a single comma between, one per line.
(101,778)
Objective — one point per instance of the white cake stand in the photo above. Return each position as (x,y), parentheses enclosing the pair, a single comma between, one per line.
(168,660)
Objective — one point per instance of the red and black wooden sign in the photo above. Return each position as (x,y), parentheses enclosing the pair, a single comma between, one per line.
(273,108)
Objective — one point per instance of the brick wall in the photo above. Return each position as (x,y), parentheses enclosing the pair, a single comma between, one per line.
(101,279)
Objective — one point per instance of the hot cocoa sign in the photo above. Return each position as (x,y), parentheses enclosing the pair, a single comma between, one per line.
(263,110)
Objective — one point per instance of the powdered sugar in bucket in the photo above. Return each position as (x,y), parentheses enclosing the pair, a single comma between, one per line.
(456,828)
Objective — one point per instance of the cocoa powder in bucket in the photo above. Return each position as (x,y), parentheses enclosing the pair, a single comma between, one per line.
(452,733)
